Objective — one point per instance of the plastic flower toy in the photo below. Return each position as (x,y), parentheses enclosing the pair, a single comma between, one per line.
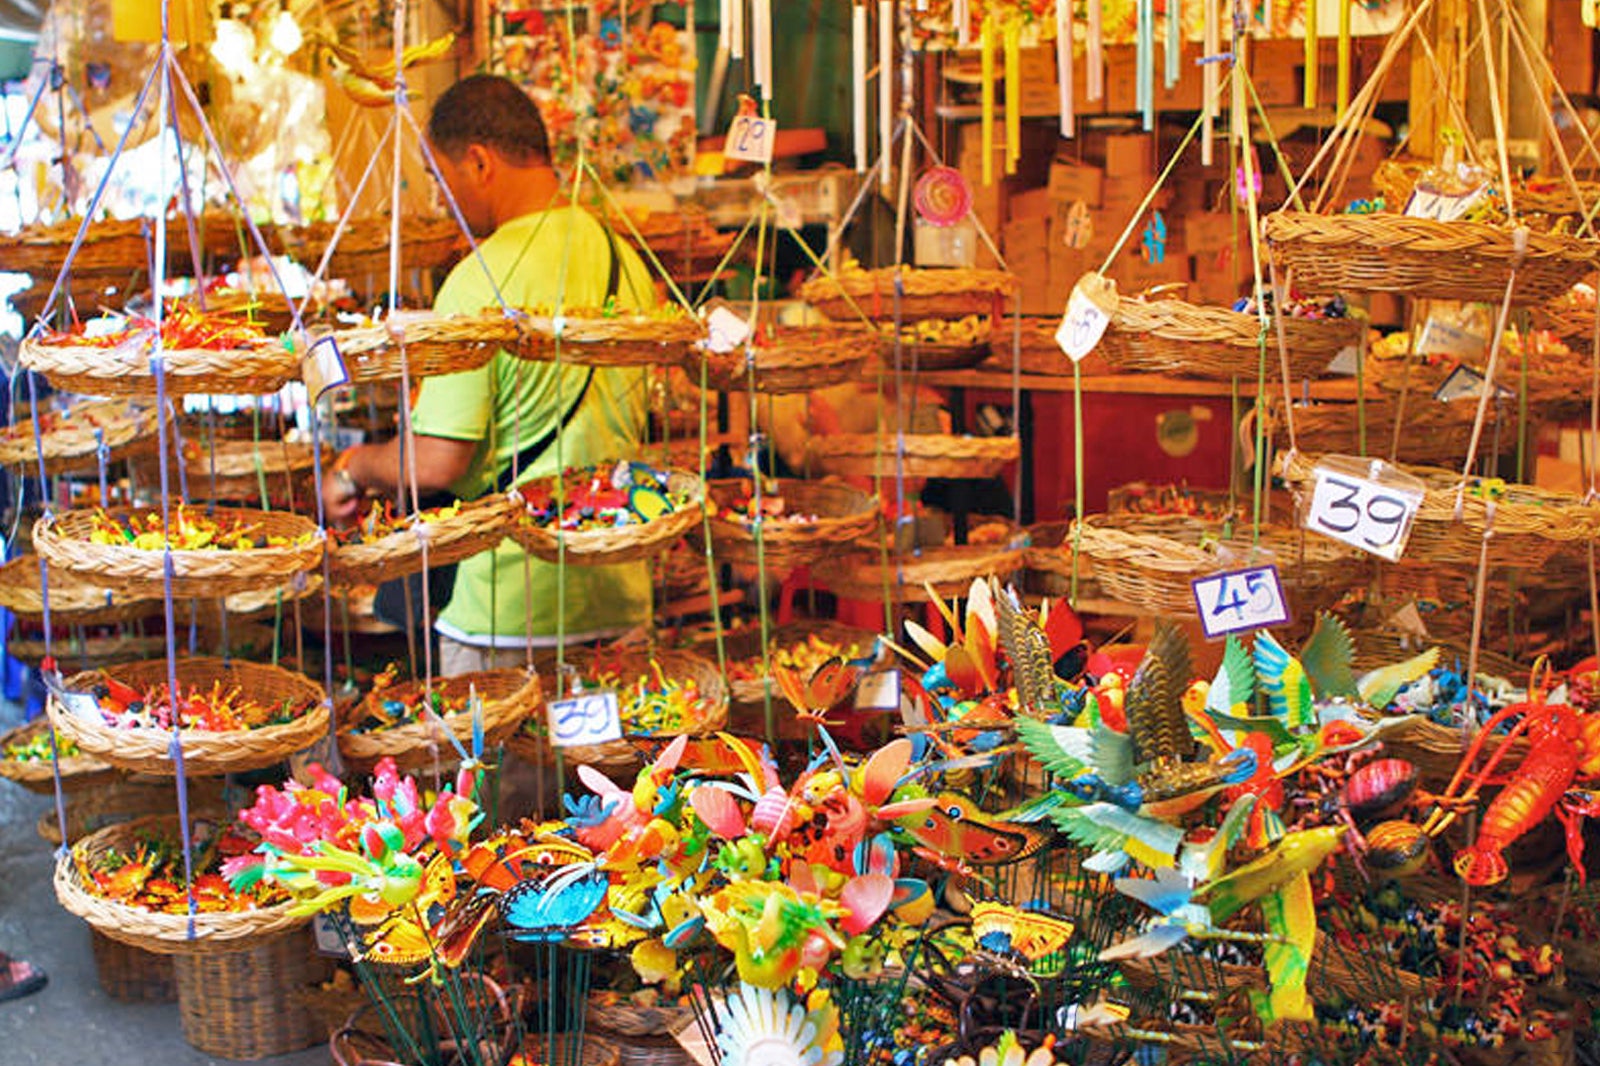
(187,530)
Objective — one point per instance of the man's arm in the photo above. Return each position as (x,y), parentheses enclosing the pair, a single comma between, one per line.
(375,469)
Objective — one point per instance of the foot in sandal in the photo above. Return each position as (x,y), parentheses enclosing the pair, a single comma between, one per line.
(19,978)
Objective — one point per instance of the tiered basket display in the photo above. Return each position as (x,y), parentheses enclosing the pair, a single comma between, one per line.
(1424,258)
(72,439)
(149,749)
(475,527)
(73,600)
(423,344)
(65,541)
(839,513)
(114,248)
(925,455)
(507,697)
(242,470)
(923,293)
(1170,336)
(616,340)
(265,366)
(949,571)
(789,359)
(619,544)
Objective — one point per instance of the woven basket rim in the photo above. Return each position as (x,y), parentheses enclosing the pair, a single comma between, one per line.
(40,771)
(124,426)
(620,544)
(478,526)
(519,696)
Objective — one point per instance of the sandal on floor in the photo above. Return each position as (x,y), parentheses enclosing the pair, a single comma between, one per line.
(19,978)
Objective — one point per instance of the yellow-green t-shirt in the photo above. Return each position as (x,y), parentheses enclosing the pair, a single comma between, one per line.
(510,403)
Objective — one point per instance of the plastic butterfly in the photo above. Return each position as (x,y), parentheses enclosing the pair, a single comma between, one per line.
(544,909)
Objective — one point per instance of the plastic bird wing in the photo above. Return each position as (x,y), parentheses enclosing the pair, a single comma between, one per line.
(1380,687)
(1028,648)
(1291,917)
(1284,680)
(1235,682)
(1105,827)
(1068,751)
(1164,893)
(1326,657)
(1156,722)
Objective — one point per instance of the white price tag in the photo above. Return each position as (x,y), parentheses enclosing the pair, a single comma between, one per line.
(79,704)
(322,367)
(1466,383)
(1442,206)
(725,330)
(879,691)
(1372,511)
(786,212)
(327,939)
(1089,310)
(592,718)
(750,139)
(1240,599)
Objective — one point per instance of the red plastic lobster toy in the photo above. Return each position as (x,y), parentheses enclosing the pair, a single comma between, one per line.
(1564,749)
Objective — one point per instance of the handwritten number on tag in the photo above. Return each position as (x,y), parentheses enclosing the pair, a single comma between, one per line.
(1240,599)
(592,718)
(750,139)
(1363,514)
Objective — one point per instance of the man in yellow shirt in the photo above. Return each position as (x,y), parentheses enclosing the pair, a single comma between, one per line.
(543,252)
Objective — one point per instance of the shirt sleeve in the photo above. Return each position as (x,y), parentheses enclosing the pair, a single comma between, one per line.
(455,406)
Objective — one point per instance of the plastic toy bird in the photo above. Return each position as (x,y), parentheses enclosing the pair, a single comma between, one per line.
(967,663)
(627,825)
(1044,650)
(372,84)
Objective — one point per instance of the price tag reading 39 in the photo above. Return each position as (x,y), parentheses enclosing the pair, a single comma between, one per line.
(591,718)
(1365,504)
(750,139)
(1237,600)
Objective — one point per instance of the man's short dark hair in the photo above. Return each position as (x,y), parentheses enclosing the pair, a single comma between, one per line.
(492,111)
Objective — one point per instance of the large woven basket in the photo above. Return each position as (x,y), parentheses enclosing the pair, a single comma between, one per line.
(629,1020)
(113,248)
(242,469)
(508,697)
(1423,258)
(124,798)
(266,366)
(63,540)
(1030,345)
(1167,336)
(1431,432)
(745,647)
(246,1004)
(149,750)
(1569,316)
(78,772)
(362,250)
(1436,749)
(841,514)
(620,544)
(477,526)
(88,652)
(1555,383)
(925,293)
(925,455)
(1148,561)
(73,601)
(623,340)
(789,359)
(164,934)
(423,345)
(862,575)
(132,975)
(73,438)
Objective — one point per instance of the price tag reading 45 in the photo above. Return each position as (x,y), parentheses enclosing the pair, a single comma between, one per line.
(1367,504)
(592,718)
(750,139)
(1240,599)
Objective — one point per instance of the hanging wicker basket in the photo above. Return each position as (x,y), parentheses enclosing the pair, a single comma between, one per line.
(73,601)
(620,340)
(72,439)
(422,344)
(124,370)
(1169,336)
(114,247)
(789,359)
(508,697)
(149,750)
(362,249)
(862,575)
(1569,316)
(925,293)
(1030,344)
(164,934)
(627,1019)
(618,544)
(925,455)
(87,653)
(475,527)
(743,651)
(1423,258)
(241,469)
(833,513)
(78,772)
(1431,432)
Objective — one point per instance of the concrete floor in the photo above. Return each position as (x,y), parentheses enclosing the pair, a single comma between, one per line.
(72,1020)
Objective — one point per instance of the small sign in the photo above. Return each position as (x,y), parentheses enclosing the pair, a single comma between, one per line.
(1371,510)
(1077,230)
(1466,383)
(725,330)
(322,367)
(80,704)
(1088,314)
(1237,600)
(787,213)
(750,139)
(592,718)
(878,691)
(1440,206)
(327,938)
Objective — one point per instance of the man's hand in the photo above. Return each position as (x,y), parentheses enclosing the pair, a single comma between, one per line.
(341,498)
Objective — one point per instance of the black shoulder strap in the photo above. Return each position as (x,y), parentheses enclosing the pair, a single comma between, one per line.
(528,456)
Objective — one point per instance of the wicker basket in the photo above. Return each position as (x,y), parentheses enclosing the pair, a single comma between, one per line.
(238,470)
(620,544)
(71,444)
(363,248)
(1039,353)
(164,934)
(64,541)
(925,293)
(625,340)
(124,798)
(113,248)
(78,772)
(1168,336)
(842,513)
(1432,432)
(935,355)
(1436,750)
(860,575)
(266,366)
(88,652)
(792,359)
(745,646)
(132,975)
(476,527)
(508,697)
(925,455)
(1569,316)
(424,344)
(1423,258)
(72,600)
(1148,561)
(626,1019)
(245,1004)
(148,750)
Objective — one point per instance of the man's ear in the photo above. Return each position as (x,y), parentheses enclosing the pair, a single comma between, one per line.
(478,161)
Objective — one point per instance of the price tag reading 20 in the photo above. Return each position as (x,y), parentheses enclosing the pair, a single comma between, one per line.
(590,718)
(1237,600)
(1372,509)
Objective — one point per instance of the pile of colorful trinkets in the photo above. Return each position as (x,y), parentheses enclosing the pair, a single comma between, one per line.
(149,875)
(380,710)
(220,708)
(629,493)
(189,529)
(652,702)
(37,748)
(381,521)
(182,328)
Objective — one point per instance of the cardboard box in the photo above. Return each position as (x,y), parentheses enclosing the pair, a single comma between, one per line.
(1071,182)
(1208,231)
(1028,206)
(1131,155)
(1122,87)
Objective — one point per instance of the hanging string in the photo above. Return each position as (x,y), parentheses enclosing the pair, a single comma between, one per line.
(44,599)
